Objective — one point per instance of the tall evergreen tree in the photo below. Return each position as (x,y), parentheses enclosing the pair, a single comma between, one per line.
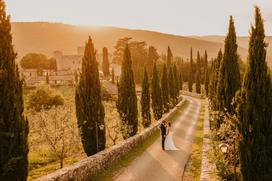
(255,109)
(165,89)
(176,81)
(152,58)
(76,77)
(206,73)
(206,83)
(13,124)
(47,78)
(213,84)
(156,95)
(198,74)
(89,108)
(105,63)
(229,74)
(205,60)
(190,77)
(127,99)
(112,75)
(145,101)
(172,87)
(180,81)
(198,63)
(197,84)
(169,58)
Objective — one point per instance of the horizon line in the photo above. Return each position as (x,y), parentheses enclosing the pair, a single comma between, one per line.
(126,28)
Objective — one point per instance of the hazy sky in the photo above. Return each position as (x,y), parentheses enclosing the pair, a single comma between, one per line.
(182,17)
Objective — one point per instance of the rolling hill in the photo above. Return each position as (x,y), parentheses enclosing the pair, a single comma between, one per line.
(47,37)
(44,37)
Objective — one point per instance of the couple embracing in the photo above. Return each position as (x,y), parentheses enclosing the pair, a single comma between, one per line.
(167,136)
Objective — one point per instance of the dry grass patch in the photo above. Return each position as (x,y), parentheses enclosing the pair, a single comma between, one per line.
(193,167)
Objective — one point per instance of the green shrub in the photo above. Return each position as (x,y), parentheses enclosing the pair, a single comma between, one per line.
(224,131)
(44,98)
(56,100)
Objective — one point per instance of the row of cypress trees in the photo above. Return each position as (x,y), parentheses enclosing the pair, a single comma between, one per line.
(170,85)
(197,74)
(164,91)
(250,100)
(90,110)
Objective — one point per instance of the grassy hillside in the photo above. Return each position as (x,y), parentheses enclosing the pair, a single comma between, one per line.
(47,37)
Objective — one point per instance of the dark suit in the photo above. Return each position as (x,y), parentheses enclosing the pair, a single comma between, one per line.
(163,134)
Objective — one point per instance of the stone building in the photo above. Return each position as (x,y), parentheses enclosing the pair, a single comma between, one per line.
(67,66)
(68,62)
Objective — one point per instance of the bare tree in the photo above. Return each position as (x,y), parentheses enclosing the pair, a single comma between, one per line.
(58,130)
(113,133)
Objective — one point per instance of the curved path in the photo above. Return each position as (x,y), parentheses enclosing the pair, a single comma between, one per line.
(155,164)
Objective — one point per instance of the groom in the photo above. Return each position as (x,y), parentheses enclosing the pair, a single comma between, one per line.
(163,132)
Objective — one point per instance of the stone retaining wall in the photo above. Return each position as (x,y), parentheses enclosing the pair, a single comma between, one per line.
(208,169)
(93,165)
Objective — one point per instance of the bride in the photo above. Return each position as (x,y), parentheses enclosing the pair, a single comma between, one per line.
(169,141)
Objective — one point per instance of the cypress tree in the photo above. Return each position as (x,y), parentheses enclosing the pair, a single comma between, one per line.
(76,77)
(156,95)
(105,63)
(172,91)
(205,60)
(152,58)
(255,109)
(145,101)
(47,78)
(180,81)
(176,81)
(197,76)
(207,80)
(112,75)
(89,108)
(127,99)
(165,89)
(198,63)
(169,58)
(229,73)
(190,77)
(197,84)
(13,124)
(213,84)
(206,73)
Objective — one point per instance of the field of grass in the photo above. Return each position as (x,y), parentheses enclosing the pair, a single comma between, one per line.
(193,166)
(41,157)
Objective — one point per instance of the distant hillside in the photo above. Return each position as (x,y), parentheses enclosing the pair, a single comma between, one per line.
(242,43)
(48,37)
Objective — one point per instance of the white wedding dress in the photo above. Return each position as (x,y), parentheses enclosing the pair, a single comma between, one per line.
(169,142)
